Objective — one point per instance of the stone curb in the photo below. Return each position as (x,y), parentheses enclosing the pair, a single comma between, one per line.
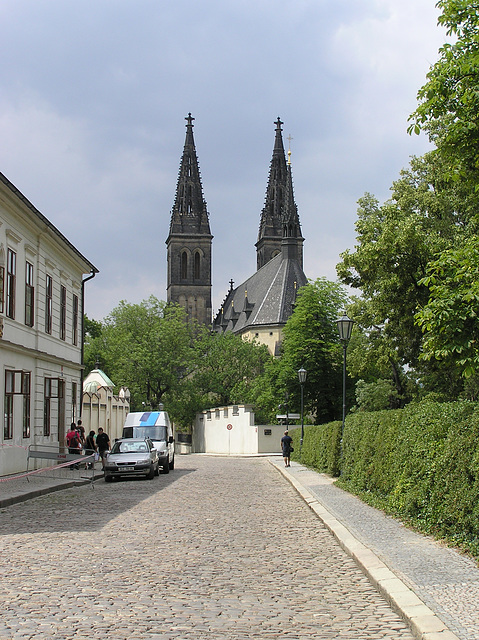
(423,622)
(23,496)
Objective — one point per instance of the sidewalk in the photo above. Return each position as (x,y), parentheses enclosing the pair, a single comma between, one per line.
(434,588)
(18,489)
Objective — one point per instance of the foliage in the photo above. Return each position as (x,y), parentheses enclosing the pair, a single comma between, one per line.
(311,341)
(374,396)
(321,447)
(396,242)
(92,342)
(227,366)
(421,464)
(450,317)
(448,108)
(149,348)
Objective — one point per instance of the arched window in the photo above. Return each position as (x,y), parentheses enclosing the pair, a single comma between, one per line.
(184,265)
(197,265)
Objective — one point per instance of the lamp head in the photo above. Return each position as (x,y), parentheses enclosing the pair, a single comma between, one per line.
(345,326)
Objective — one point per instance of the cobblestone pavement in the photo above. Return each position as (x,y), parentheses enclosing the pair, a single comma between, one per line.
(445,580)
(219,548)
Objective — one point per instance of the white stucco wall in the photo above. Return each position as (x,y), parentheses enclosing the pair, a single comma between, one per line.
(232,431)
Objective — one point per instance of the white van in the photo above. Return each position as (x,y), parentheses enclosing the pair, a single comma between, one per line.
(156,426)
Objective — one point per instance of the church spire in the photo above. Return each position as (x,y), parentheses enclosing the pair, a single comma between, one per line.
(292,242)
(270,228)
(189,212)
(189,240)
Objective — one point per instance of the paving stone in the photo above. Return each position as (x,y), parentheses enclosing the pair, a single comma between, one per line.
(220,548)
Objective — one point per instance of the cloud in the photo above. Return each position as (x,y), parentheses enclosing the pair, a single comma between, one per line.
(94,96)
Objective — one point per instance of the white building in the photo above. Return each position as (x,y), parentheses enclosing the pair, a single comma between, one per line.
(101,407)
(41,310)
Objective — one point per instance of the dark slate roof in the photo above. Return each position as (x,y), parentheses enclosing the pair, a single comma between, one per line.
(265,299)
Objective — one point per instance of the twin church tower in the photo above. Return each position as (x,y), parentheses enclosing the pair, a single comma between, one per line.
(260,306)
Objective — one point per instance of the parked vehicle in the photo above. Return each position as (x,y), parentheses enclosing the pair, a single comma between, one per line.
(132,457)
(156,426)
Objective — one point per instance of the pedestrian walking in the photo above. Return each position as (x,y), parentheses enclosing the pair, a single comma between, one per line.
(90,448)
(103,444)
(286,441)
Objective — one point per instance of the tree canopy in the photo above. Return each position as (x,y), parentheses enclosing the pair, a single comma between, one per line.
(311,340)
(448,109)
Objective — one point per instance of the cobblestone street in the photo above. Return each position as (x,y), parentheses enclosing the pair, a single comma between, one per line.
(219,548)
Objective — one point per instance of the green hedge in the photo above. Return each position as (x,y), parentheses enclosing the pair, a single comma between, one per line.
(420,463)
(321,447)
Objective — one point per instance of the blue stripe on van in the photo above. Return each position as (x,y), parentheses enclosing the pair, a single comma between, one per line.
(149,418)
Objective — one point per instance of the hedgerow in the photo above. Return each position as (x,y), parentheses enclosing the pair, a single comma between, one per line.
(420,464)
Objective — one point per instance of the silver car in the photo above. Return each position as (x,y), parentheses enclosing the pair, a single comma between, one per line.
(132,457)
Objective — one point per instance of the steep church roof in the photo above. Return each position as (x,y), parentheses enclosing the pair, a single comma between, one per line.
(189,214)
(264,299)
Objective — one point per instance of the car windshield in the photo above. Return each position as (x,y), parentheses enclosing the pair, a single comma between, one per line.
(153,433)
(123,446)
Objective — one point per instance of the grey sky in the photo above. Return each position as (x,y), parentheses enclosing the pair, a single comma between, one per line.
(93,99)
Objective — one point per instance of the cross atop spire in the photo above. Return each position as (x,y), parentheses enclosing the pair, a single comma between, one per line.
(189,119)
(278,124)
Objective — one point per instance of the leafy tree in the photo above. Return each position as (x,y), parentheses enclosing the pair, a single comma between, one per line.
(448,113)
(395,243)
(375,396)
(311,341)
(448,108)
(450,319)
(149,348)
(226,366)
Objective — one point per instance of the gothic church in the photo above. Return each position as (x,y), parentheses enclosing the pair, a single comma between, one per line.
(260,306)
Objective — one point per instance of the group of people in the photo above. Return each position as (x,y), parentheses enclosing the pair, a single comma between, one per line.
(92,444)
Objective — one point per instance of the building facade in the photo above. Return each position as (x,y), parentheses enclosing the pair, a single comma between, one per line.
(41,309)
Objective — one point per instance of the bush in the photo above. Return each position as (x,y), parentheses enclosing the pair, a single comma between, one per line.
(420,464)
(321,447)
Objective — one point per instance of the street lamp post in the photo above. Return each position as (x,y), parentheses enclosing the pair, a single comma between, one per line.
(302,373)
(345,326)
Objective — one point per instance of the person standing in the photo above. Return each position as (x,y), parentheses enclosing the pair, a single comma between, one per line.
(81,431)
(71,434)
(90,448)
(286,441)
(74,444)
(103,444)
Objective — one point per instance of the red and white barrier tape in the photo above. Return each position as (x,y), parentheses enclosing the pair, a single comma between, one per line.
(43,469)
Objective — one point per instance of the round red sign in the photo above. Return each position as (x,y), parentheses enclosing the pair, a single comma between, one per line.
(229,427)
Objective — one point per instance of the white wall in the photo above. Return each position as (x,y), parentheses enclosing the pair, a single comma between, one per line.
(232,431)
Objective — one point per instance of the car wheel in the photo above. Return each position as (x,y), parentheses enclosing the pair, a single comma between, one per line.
(166,467)
(108,478)
(151,474)
(157,469)
(172,463)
